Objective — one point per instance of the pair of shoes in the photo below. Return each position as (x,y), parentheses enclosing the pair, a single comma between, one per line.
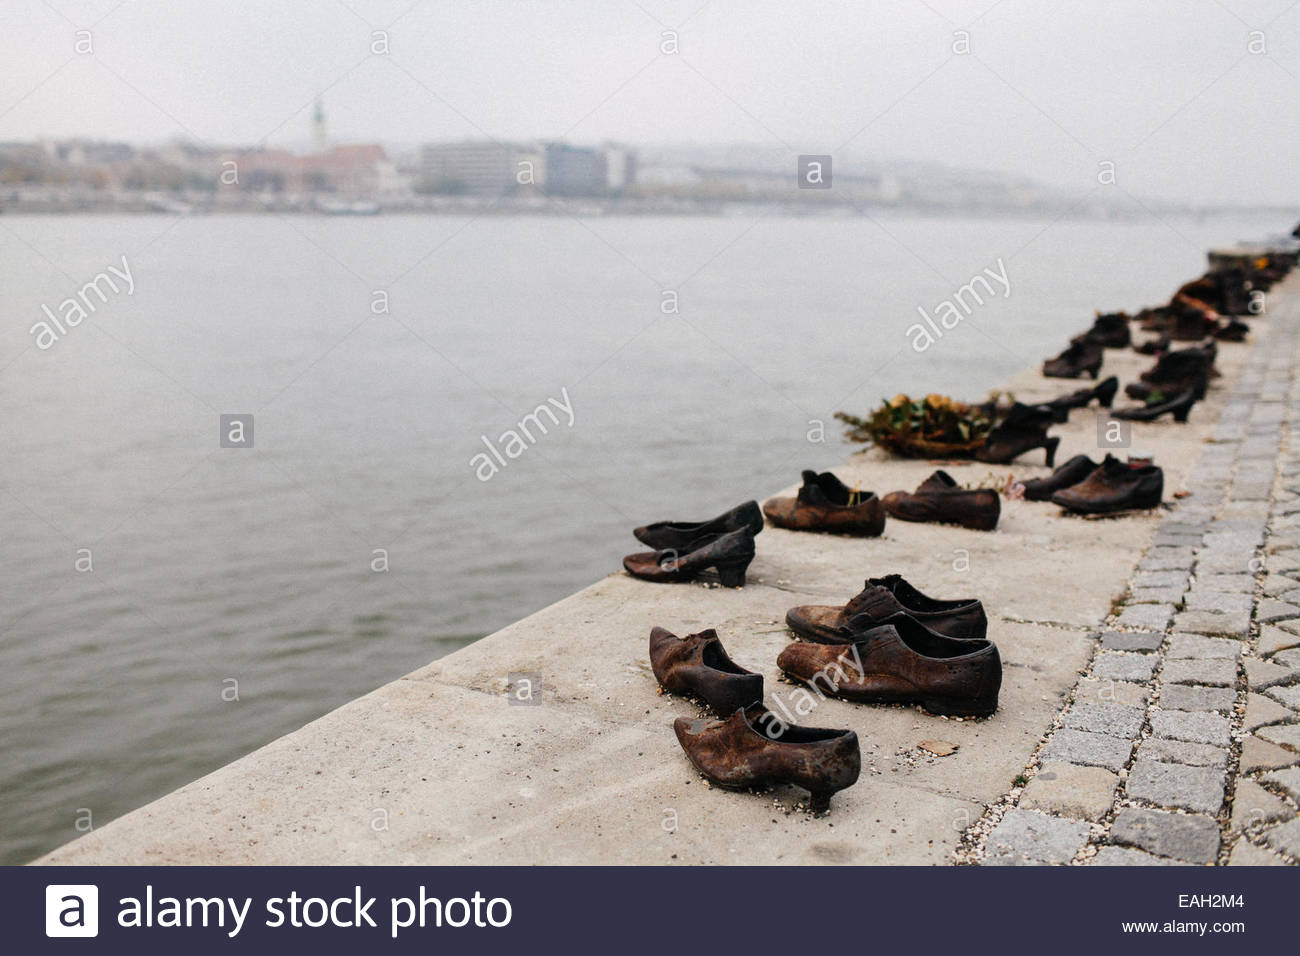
(1154,346)
(750,747)
(1113,487)
(1176,372)
(1103,392)
(1157,405)
(872,656)
(940,499)
(1024,429)
(1110,331)
(683,549)
(1081,358)
(824,503)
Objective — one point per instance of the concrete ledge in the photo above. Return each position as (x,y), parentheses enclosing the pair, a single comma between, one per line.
(438,768)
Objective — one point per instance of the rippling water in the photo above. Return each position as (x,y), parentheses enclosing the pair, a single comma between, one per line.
(213,566)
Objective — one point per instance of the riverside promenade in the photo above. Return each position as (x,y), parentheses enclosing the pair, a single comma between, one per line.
(1148,711)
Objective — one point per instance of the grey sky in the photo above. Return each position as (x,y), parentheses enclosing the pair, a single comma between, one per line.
(1168,90)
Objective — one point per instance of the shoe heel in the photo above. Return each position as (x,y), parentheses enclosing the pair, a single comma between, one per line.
(1050,447)
(733,575)
(819,801)
(1106,392)
(1181,414)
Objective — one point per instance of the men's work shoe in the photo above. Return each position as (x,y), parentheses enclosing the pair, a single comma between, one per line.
(730,554)
(754,748)
(901,662)
(825,503)
(697,666)
(1114,487)
(681,535)
(1071,473)
(1110,331)
(1081,358)
(1176,372)
(880,600)
(940,499)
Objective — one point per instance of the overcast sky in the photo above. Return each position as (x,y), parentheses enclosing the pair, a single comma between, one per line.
(1169,91)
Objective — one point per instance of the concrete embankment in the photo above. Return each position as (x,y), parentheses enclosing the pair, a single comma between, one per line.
(439,768)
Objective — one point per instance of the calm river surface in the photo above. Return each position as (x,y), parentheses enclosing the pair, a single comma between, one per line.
(213,566)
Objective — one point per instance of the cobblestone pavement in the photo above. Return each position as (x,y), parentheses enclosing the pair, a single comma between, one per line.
(1180,744)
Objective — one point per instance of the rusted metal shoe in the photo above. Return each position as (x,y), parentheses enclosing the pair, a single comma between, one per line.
(1081,358)
(1179,405)
(683,535)
(901,662)
(1024,429)
(1071,473)
(1110,331)
(824,503)
(755,749)
(1114,487)
(730,553)
(940,499)
(1176,372)
(880,600)
(698,666)
(1103,393)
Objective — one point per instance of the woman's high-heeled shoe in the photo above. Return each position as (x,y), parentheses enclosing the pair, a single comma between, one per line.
(698,666)
(1104,393)
(1179,405)
(730,553)
(1024,429)
(681,535)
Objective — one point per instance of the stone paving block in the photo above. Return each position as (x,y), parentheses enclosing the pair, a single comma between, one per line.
(1289,658)
(1246,853)
(1213,622)
(1224,562)
(1288,696)
(1112,691)
(1147,617)
(1288,735)
(1283,561)
(1232,583)
(1194,727)
(1205,648)
(1127,856)
(1168,559)
(1261,711)
(1258,754)
(1181,751)
(1223,602)
(1252,805)
(1141,641)
(1288,780)
(1211,673)
(1177,835)
(1092,750)
(1165,539)
(1117,666)
(1271,610)
(1166,596)
(1285,838)
(1117,720)
(1261,675)
(1275,584)
(1176,785)
(1027,834)
(1071,790)
(1195,697)
(1273,639)
(1291,627)
(1161,579)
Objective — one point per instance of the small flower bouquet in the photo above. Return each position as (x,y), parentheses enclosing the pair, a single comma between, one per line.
(930,427)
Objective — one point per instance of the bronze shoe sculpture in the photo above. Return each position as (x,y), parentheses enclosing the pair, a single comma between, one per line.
(1103,392)
(1071,473)
(1024,429)
(940,499)
(681,535)
(881,599)
(1179,405)
(1110,331)
(1114,488)
(730,553)
(1082,358)
(824,503)
(698,666)
(1176,372)
(902,662)
(754,749)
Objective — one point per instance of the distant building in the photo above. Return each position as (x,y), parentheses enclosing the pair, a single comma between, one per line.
(575,171)
(620,168)
(477,167)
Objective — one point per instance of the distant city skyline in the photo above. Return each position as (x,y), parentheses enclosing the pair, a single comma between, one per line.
(1189,106)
